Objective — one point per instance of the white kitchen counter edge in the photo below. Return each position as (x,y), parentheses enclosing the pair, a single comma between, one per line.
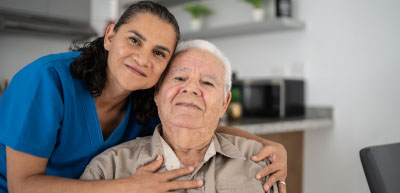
(286,126)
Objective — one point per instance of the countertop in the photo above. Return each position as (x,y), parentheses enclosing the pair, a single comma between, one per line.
(315,118)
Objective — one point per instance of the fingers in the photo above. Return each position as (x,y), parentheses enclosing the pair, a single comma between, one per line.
(280,175)
(265,153)
(170,175)
(282,188)
(184,184)
(153,166)
(268,170)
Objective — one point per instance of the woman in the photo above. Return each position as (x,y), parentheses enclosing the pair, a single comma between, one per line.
(63,109)
(191,98)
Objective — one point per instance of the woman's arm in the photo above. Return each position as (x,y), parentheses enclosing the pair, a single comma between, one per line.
(272,151)
(241,133)
(27,173)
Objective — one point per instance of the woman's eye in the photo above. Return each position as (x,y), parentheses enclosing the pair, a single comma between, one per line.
(134,40)
(158,53)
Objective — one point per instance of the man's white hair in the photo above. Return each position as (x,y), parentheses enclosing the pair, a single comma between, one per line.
(211,48)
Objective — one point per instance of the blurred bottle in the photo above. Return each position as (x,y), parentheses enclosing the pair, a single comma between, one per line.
(234,110)
(283,8)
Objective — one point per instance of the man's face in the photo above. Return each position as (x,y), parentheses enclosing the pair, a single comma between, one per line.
(192,93)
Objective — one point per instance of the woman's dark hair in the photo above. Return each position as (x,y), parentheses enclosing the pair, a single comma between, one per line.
(91,65)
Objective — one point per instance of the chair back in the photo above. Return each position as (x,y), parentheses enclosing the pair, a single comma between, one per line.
(381,166)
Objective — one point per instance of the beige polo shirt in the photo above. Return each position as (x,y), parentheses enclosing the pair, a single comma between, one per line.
(226,166)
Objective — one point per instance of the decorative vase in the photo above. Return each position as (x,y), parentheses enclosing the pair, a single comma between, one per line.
(234,111)
(258,14)
(196,24)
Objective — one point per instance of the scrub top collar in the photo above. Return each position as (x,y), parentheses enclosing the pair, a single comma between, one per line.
(93,125)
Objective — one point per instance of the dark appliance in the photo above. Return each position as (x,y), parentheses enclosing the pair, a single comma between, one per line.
(271,98)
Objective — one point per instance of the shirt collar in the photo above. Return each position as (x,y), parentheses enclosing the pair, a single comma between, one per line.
(219,144)
(226,147)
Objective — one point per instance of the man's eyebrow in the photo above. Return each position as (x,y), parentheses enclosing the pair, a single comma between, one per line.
(213,77)
(144,39)
(138,34)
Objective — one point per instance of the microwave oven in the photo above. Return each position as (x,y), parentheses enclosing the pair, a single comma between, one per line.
(271,98)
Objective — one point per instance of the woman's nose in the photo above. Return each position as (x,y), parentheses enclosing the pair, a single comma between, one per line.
(143,58)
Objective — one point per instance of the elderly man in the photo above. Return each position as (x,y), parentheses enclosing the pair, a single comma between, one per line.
(191,98)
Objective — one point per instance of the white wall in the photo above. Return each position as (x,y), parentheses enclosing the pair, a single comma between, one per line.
(350,53)
(353,64)
(18,50)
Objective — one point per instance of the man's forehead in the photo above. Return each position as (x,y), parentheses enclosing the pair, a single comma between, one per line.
(179,69)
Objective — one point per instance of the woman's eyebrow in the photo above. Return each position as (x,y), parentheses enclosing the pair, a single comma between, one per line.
(138,34)
(144,39)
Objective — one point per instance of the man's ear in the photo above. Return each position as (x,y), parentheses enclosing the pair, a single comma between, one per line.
(227,100)
(108,36)
(156,96)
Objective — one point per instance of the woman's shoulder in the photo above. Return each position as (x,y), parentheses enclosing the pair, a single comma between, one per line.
(63,56)
(47,65)
(58,61)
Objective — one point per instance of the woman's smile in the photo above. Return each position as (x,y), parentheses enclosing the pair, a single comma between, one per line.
(135,70)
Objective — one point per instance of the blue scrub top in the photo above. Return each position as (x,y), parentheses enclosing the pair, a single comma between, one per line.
(48,113)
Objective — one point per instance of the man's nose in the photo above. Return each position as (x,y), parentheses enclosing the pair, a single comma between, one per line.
(191,88)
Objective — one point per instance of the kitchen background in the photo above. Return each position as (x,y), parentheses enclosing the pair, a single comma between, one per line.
(347,53)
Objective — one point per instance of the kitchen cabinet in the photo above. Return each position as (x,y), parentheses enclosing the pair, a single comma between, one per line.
(75,10)
(37,7)
(47,17)
(166,3)
(270,25)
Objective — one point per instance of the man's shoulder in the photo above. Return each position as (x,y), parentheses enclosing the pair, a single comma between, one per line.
(131,145)
(117,162)
(128,149)
(247,147)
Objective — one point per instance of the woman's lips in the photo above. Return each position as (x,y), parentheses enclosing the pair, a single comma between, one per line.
(190,105)
(135,70)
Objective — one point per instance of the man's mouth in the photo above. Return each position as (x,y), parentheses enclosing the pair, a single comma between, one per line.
(135,70)
(190,105)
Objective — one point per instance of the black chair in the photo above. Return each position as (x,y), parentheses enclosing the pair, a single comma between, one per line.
(382,167)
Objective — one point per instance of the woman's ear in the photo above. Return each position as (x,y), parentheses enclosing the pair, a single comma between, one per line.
(108,36)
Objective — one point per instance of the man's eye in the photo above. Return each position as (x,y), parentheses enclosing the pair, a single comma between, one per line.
(208,83)
(158,53)
(179,78)
(134,40)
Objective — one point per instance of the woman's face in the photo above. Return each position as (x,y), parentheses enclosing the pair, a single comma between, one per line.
(192,94)
(138,52)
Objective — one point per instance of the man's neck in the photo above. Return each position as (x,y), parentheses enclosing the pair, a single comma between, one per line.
(189,146)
